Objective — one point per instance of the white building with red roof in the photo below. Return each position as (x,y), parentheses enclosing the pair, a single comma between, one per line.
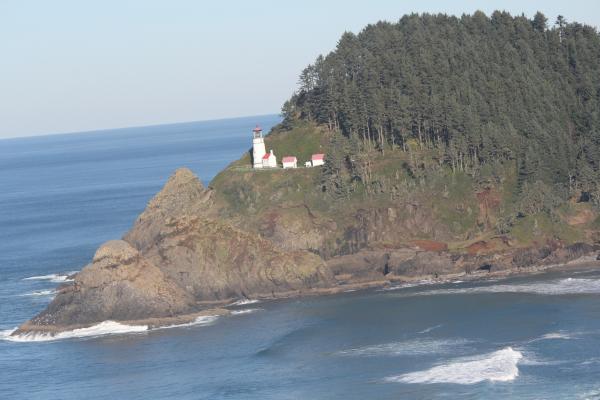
(317,159)
(289,162)
(269,160)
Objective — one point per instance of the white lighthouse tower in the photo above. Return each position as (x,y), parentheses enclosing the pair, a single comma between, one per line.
(258,147)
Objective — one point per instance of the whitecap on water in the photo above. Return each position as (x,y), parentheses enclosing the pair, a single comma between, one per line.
(405,285)
(555,287)
(407,347)
(6,333)
(431,328)
(556,335)
(55,278)
(101,329)
(499,366)
(201,320)
(47,292)
(245,311)
(244,302)
(593,394)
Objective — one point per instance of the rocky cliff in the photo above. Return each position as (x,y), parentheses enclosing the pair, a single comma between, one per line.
(272,234)
(178,260)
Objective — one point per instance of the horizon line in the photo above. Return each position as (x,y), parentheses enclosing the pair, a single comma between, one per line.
(38,135)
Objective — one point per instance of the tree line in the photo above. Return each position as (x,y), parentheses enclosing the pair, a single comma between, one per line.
(476,89)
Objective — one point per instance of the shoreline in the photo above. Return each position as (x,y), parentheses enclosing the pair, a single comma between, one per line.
(221,307)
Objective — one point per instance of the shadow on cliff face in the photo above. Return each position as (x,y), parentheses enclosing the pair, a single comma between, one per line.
(181,257)
(176,258)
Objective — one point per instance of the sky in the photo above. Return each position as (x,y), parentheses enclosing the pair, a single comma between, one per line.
(69,66)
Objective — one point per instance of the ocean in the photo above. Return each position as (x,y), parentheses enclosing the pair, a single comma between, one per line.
(61,196)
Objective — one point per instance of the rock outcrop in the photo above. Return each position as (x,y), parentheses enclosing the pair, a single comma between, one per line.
(214,261)
(120,285)
(183,194)
(176,260)
(182,257)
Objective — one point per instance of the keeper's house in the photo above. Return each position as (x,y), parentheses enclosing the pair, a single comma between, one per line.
(317,159)
(269,160)
(289,162)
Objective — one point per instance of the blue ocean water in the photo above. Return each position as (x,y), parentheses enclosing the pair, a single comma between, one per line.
(61,196)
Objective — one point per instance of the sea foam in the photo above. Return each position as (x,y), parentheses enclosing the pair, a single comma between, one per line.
(555,287)
(245,311)
(499,366)
(431,328)
(407,347)
(556,335)
(55,278)
(201,320)
(47,292)
(101,329)
(406,285)
(244,302)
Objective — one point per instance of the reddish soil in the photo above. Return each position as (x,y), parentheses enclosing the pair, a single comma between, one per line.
(430,245)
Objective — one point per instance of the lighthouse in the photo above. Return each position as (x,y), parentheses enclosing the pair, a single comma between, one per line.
(258,147)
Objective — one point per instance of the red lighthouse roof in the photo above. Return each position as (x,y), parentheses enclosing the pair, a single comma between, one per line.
(257,129)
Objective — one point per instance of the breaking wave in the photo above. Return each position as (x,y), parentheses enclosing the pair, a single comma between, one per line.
(246,311)
(244,302)
(406,285)
(101,329)
(556,287)
(590,395)
(499,366)
(47,292)
(201,320)
(556,335)
(431,328)
(408,347)
(56,278)
(6,333)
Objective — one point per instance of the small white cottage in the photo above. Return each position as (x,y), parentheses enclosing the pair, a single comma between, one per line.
(289,162)
(269,160)
(317,159)
(307,164)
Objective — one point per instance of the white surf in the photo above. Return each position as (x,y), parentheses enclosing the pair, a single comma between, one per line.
(245,311)
(556,335)
(201,320)
(101,329)
(407,347)
(555,287)
(431,328)
(47,292)
(499,366)
(244,302)
(55,278)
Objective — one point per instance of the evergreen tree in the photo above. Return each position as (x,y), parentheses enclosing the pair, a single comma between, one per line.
(476,89)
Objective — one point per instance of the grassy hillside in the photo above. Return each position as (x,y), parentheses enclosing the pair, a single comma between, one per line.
(410,196)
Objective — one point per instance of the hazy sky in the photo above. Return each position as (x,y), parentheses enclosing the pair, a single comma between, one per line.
(81,65)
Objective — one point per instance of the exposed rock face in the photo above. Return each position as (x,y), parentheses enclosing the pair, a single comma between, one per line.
(183,194)
(212,260)
(173,261)
(119,284)
(180,257)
